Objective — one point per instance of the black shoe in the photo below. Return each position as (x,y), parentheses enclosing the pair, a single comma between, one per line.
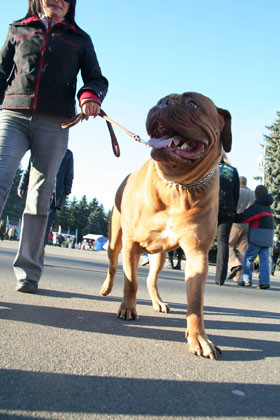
(263,286)
(177,267)
(234,271)
(27,286)
(244,283)
(247,283)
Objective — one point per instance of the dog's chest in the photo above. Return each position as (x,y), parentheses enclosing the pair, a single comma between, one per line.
(161,237)
(168,233)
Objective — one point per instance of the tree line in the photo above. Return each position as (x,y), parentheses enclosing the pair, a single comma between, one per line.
(271,154)
(76,215)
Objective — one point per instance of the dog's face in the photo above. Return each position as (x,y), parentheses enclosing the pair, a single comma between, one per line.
(185,128)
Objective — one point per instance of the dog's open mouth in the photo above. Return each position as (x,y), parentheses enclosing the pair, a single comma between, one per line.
(180,146)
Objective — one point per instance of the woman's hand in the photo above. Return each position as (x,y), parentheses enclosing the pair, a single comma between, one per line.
(90,109)
(20,193)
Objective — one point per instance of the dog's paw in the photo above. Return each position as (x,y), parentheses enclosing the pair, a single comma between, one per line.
(201,346)
(128,314)
(105,289)
(161,307)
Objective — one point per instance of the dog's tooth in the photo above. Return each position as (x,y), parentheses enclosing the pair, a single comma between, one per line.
(184,146)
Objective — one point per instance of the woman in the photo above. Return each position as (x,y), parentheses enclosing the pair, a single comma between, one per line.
(39,63)
(228,198)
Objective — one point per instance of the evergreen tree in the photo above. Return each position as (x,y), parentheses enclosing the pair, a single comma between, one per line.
(62,217)
(81,215)
(97,221)
(272,167)
(14,205)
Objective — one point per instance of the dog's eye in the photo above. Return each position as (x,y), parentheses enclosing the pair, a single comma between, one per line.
(192,104)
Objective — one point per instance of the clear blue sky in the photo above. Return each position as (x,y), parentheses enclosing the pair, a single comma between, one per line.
(227,50)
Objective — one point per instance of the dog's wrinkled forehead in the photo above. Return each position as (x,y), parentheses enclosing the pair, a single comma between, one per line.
(181,107)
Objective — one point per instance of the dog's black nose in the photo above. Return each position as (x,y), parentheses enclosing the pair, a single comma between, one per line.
(166,101)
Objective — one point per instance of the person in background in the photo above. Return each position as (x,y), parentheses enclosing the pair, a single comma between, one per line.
(50,238)
(260,237)
(3,230)
(145,259)
(238,233)
(63,187)
(39,64)
(228,199)
(180,254)
(275,253)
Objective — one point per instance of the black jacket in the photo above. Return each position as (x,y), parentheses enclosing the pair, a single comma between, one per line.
(38,68)
(64,179)
(229,191)
(276,250)
(261,221)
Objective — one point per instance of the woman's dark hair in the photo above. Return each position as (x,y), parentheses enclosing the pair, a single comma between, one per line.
(34,7)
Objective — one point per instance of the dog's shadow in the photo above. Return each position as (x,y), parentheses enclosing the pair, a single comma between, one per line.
(154,326)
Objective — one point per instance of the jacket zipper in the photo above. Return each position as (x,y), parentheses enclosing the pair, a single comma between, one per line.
(37,85)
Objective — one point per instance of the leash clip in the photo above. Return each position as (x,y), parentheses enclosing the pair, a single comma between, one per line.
(136,137)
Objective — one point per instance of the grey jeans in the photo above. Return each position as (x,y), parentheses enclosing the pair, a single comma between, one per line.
(42,134)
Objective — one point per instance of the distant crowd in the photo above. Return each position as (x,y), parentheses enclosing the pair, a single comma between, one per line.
(8,232)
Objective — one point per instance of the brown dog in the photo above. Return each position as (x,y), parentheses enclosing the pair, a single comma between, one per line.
(171,201)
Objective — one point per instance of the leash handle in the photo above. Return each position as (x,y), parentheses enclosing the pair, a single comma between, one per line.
(73,121)
(114,141)
(77,118)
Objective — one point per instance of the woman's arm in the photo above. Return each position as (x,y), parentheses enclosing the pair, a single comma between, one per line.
(69,172)
(7,53)
(94,82)
(236,187)
(24,180)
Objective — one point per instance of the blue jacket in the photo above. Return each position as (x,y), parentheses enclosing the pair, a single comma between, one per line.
(261,221)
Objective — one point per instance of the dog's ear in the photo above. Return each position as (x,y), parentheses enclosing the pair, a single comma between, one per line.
(225,136)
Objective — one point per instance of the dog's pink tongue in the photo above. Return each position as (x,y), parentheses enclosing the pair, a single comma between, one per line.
(158,143)
(163,142)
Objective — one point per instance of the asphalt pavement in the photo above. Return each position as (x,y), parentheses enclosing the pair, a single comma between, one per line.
(65,355)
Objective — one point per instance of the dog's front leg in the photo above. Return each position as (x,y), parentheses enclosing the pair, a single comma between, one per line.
(196,273)
(156,264)
(115,246)
(131,257)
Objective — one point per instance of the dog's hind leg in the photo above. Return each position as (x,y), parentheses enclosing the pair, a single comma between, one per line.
(114,248)
(156,264)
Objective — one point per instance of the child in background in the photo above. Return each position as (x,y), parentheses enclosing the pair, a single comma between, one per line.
(260,237)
